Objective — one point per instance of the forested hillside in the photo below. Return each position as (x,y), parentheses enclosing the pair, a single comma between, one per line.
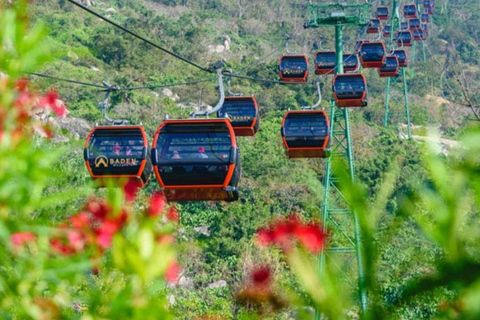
(216,242)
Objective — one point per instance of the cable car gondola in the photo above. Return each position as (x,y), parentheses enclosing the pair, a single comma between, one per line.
(414,24)
(403,26)
(243,115)
(429,10)
(372,54)
(293,68)
(305,133)
(410,11)
(427,4)
(358,44)
(325,62)
(404,38)
(350,90)
(374,26)
(418,35)
(118,153)
(197,160)
(402,57)
(390,68)
(425,17)
(387,31)
(425,29)
(350,62)
(383,13)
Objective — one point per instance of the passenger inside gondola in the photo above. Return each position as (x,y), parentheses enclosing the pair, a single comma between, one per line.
(206,154)
(293,67)
(125,151)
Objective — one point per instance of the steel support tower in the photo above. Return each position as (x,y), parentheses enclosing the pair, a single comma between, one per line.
(397,105)
(337,215)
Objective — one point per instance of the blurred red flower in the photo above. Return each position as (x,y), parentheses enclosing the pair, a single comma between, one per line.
(131,189)
(20,238)
(173,272)
(173,214)
(157,204)
(285,233)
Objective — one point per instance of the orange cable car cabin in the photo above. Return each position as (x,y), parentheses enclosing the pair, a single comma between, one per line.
(404,38)
(390,68)
(325,62)
(374,26)
(197,160)
(387,31)
(118,153)
(372,54)
(383,13)
(419,35)
(410,11)
(293,68)
(350,90)
(414,24)
(243,115)
(402,57)
(425,17)
(305,134)
(350,62)
(425,30)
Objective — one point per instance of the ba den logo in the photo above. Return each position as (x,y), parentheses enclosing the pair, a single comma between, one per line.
(105,162)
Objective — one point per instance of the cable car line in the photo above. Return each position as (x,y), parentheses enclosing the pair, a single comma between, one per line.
(136,35)
(66,80)
(120,88)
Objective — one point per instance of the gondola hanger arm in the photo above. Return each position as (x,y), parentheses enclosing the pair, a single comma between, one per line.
(104,105)
(229,87)
(316,105)
(220,101)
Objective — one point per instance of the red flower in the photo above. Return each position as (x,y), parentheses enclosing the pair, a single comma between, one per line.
(261,276)
(22,84)
(311,237)
(80,220)
(20,238)
(106,232)
(264,236)
(60,247)
(99,209)
(59,109)
(51,97)
(76,240)
(173,214)
(121,219)
(131,189)
(157,204)
(165,238)
(173,272)
(285,233)
(52,101)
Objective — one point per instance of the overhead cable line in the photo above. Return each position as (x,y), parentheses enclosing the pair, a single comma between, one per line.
(66,80)
(113,88)
(136,35)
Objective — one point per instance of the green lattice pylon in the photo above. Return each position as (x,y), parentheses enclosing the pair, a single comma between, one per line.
(337,215)
(396,92)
